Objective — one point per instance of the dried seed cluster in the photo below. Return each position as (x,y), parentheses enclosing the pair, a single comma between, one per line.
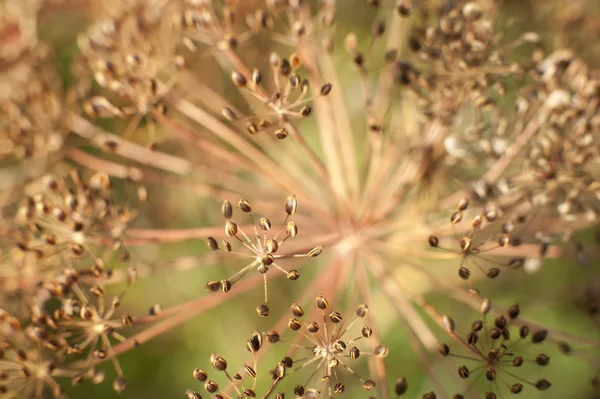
(492,353)
(260,248)
(131,56)
(253,345)
(473,246)
(328,349)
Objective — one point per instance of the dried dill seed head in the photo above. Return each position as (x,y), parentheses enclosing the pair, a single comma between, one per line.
(202,23)
(131,56)
(33,361)
(31,110)
(72,218)
(263,246)
(474,242)
(287,101)
(493,352)
(235,381)
(329,349)
(86,319)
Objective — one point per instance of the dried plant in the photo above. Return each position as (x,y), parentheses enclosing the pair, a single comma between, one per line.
(377,129)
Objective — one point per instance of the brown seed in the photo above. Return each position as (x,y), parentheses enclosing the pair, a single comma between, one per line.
(211,386)
(518,361)
(542,384)
(212,286)
(231,228)
(490,374)
(255,342)
(542,359)
(293,275)
(516,388)
(262,310)
(326,89)
(272,336)
(218,362)
(238,79)
(225,285)
(120,384)
(212,243)
(463,372)
(227,209)
(464,273)
(245,206)
(493,272)
(313,327)
(430,395)
(444,350)
(297,310)
(316,251)
(322,302)
(367,332)
(335,317)
(368,385)
(382,351)
(354,353)
(362,310)
(433,241)
(448,324)
(294,324)
(539,336)
(401,386)
(513,311)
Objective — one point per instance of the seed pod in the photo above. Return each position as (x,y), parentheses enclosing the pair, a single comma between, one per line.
(542,359)
(513,311)
(465,244)
(367,332)
(293,275)
(354,353)
(362,310)
(212,286)
(228,114)
(272,336)
(238,79)
(322,302)
(518,361)
(262,310)
(245,206)
(256,77)
(291,230)
(430,395)
(464,273)
(444,350)
(382,351)
(326,89)
(401,386)
(463,372)
(542,384)
(255,342)
(291,204)
(433,241)
(524,331)
(294,324)
(280,371)
(516,388)
(120,384)
(448,324)
(335,317)
(212,243)
(281,133)
(211,386)
(231,228)
(493,272)
(316,251)
(225,285)
(368,385)
(500,322)
(313,327)
(490,374)
(297,310)
(271,246)
(218,362)
(539,336)
(227,209)
(477,325)
(265,224)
